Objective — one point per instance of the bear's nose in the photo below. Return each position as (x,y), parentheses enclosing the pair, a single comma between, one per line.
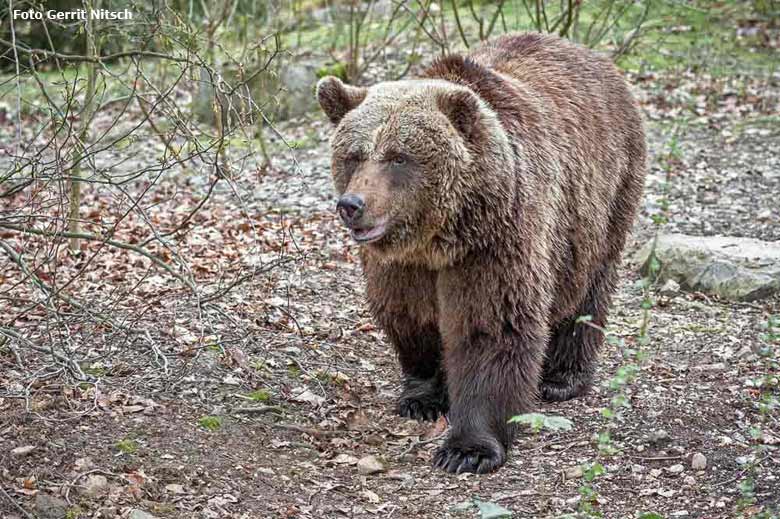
(350,208)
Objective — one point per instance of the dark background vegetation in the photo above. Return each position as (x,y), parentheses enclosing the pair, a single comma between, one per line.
(182,331)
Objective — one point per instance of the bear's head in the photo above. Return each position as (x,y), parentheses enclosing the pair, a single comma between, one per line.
(414,163)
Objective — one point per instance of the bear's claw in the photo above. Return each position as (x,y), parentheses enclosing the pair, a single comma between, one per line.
(418,409)
(561,387)
(479,459)
(423,399)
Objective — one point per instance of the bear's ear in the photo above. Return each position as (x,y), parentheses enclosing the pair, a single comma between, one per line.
(336,98)
(462,109)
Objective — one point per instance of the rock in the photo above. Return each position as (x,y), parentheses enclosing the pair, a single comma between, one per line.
(675,469)
(345,459)
(174,488)
(50,507)
(305,395)
(298,77)
(370,465)
(658,436)
(670,289)
(95,485)
(22,451)
(698,461)
(573,472)
(738,269)
(689,480)
(371,496)
(140,514)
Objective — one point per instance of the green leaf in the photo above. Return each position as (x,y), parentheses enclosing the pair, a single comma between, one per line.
(592,472)
(210,423)
(488,510)
(260,395)
(650,515)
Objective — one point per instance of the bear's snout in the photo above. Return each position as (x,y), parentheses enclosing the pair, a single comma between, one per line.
(350,208)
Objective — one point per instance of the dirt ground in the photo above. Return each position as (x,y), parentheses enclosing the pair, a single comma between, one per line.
(302,386)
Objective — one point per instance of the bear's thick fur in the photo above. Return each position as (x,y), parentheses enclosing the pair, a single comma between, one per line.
(492,198)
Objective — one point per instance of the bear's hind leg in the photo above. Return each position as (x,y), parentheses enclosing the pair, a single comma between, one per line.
(573,347)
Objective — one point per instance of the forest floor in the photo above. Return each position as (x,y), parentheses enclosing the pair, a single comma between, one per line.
(266,409)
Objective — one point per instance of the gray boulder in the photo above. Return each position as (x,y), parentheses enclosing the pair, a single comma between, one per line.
(48,506)
(737,269)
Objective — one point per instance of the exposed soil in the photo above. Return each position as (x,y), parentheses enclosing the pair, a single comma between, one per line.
(301,335)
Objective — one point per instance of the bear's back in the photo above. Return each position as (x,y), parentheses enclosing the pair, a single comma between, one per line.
(571,116)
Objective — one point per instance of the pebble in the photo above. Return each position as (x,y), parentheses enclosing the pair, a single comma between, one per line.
(675,469)
(658,436)
(689,480)
(95,485)
(140,514)
(369,465)
(698,461)
(670,289)
(22,451)
(573,472)
(50,507)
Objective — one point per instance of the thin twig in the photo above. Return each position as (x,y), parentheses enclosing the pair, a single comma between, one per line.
(16,505)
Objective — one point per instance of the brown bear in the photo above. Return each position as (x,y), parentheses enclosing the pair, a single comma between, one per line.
(491,198)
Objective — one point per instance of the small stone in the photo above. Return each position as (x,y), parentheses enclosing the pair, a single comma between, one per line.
(95,485)
(689,480)
(717,366)
(140,514)
(174,488)
(371,496)
(50,507)
(22,451)
(698,461)
(670,289)
(658,436)
(573,472)
(305,395)
(764,215)
(345,459)
(370,465)
(675,469)
(742,460)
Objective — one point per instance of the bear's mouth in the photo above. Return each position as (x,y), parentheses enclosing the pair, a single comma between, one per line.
(369,234)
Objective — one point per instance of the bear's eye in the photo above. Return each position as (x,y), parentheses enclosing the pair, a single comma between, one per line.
(398,161)
(351,162)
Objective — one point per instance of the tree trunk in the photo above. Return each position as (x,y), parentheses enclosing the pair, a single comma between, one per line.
(86,118)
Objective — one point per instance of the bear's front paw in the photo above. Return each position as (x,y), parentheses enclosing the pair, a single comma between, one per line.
(423,399)
(476,456)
